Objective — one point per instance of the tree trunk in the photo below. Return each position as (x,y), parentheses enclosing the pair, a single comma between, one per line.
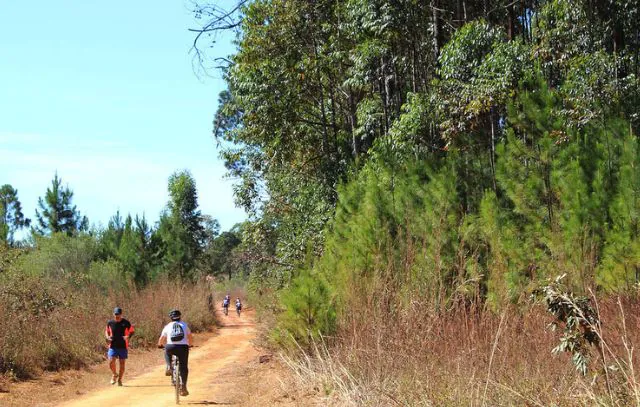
(437,31)
(353,121)
(511,22)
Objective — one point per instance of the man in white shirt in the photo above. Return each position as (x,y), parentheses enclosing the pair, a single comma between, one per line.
(177,338)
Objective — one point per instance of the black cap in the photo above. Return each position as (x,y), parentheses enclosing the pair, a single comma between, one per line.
(117,311)
(175,314)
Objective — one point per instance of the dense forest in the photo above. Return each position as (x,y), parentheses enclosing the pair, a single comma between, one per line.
(497,133)
(407,162)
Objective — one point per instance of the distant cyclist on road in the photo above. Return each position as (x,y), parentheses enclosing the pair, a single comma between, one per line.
(225,303)
(177,338)
(238,305)
(117,332)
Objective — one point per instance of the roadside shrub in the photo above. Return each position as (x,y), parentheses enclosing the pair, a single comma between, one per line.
(48,322)
(309,311)
(59,322)
(108,275)
(59,255)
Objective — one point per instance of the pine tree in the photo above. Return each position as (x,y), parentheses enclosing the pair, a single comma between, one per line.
(309,309)
(620,267)
(127,251)
(526,161)
(109,240)
(57,214)
(11,216)
(180,227)
(144,250)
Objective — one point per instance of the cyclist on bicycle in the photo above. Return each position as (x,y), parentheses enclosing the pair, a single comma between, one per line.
(226,301)
(177,338)
(238,305)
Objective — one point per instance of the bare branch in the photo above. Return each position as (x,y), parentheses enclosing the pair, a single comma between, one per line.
(219,20)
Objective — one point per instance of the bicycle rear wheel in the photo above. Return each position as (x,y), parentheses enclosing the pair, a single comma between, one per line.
(176,377)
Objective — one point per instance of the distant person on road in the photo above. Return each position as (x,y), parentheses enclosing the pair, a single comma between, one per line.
(225,303)
(118,332)
(177,338)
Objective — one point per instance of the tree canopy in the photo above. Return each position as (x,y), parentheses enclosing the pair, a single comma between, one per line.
(529,108)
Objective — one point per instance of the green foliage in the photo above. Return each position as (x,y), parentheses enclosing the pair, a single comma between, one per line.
(562,32)
(181,229)
(506,259)
(111,236)
(316,91)
(482,69)
(525,163)
(59,255)
(581,322)
(57,214)
(9,256)
(434,156)
(464,53)
(398,227)
(108,275)
(130,243)
(620,266)
(11,216)
(221,257)
(309,310)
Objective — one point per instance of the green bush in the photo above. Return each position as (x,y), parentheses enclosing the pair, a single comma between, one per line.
(309,310)
(108,275)
(59,255)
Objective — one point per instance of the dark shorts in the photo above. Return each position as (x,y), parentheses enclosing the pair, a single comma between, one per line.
(117,353)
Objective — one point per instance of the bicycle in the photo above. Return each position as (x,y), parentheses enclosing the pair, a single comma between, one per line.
(176,379)
(225,309)
(238,309)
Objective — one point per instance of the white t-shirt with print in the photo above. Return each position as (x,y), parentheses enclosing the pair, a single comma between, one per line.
(166,332)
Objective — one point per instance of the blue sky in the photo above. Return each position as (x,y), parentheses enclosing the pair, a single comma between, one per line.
(105,94)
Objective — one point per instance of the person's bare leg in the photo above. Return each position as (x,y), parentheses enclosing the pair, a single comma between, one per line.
(122,362)
(112,366)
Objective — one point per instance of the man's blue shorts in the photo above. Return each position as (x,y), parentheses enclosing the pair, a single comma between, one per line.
(117,353)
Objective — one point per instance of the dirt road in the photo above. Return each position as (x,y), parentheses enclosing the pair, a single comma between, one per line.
(208,362)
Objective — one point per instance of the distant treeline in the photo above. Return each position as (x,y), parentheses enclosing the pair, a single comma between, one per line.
(183,245)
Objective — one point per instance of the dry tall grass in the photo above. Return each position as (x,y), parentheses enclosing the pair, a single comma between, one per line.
(52,324)
(471,357)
